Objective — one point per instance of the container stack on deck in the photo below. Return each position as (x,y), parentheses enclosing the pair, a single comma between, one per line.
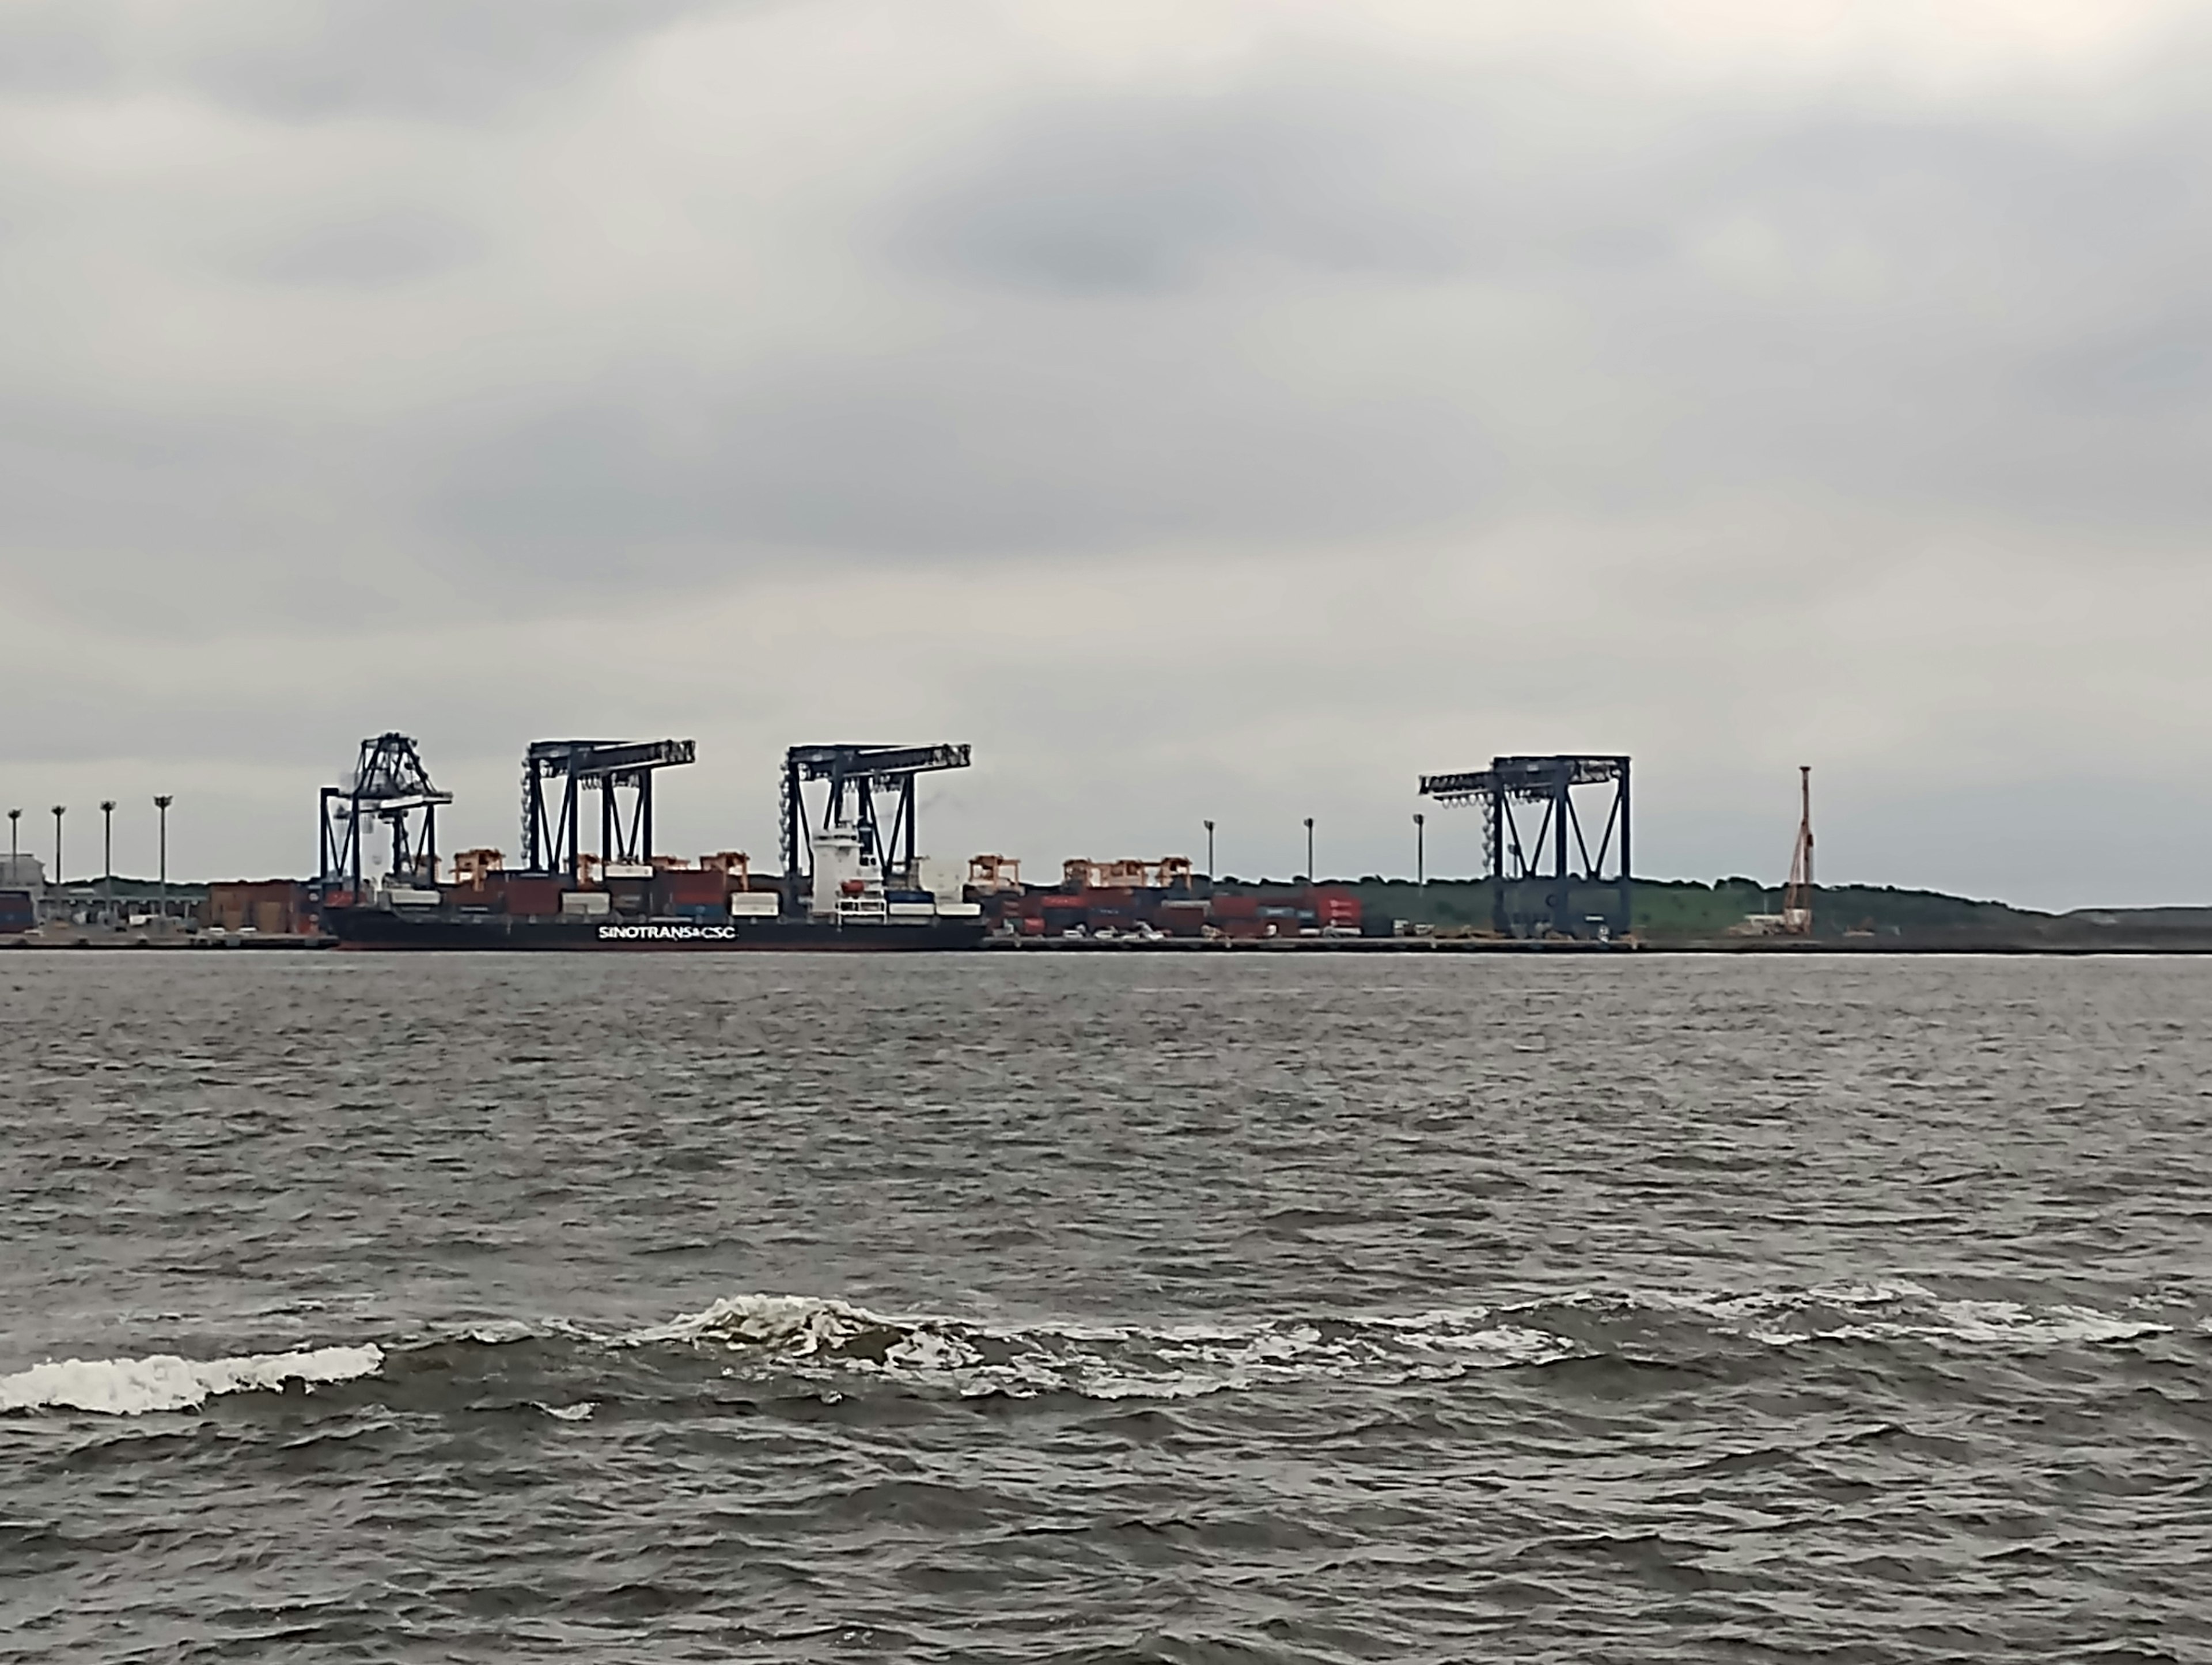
(1188,908)
(717,889)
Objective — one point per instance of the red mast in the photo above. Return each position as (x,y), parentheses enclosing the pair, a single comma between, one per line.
(1798,897)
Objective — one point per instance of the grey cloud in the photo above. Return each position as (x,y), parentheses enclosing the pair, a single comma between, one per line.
(1885,334)
(57,47)
(1138,193)
(367,250)
(445,59)
(1913,318)
(310,60)
(945,452)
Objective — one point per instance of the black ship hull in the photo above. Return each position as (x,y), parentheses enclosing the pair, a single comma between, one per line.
(382,929)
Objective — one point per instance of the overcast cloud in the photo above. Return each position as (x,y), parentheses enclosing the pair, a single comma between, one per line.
(1212,409)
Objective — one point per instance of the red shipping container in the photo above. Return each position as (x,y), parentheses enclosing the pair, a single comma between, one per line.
(1183,919)
(533,895)
(1227,907)
(686,887)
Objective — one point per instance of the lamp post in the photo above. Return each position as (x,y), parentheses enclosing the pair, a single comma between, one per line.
(15,818)
(107,851)
(1209,849)
(1310,860)
(161,802)
(1420,849)
(60,810)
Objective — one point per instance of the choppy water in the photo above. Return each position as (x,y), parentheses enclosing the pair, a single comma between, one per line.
(1104,1309)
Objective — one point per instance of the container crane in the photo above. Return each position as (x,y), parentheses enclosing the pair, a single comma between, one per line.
(389,783)
(610,767)
(857,777)
(1549,882)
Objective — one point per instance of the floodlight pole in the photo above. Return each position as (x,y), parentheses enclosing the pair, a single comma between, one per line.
(161,802)
(1420,848)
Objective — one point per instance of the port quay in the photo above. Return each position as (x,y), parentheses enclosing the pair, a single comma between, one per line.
(850,875)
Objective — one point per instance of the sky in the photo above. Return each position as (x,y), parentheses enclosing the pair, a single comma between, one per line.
(1207,408)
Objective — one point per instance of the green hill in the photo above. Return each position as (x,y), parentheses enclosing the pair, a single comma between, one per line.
(1690,908)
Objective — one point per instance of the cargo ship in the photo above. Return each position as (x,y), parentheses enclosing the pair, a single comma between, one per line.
(835,893)
(657,907)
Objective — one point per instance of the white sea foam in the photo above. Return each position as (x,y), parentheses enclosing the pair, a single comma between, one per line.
(2005,1325)
(1900,1310)
(133,1386)
(827,1339)
(1101,1361)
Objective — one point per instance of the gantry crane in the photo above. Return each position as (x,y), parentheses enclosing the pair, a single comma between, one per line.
(1539,887)
(856,776)
(550,829)
(389,783)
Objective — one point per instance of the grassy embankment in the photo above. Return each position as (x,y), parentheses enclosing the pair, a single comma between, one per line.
(1687,908)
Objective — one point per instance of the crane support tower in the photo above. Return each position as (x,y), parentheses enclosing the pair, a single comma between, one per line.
(1546,878)
(556,774)
(1797,895)
(858,777)
(390,784)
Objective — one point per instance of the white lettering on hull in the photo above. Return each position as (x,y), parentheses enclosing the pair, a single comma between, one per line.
(668,932)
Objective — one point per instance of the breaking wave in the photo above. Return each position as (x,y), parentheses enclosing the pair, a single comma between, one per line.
(836,1345)
(1905,1311)
(830,1337)
(134,1387)
(1105,1361)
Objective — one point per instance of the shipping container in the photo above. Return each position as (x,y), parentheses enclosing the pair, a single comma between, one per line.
(686,887)
(267,906)
(533,897)
(1233,906)
(1182,919)
(1334,906)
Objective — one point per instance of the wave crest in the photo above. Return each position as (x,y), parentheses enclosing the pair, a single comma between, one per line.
(1104,1361)
(134,1387)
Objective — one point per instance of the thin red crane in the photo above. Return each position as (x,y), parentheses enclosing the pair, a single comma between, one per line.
(1798,897)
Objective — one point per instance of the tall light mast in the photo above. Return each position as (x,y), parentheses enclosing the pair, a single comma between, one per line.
(1798,897)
